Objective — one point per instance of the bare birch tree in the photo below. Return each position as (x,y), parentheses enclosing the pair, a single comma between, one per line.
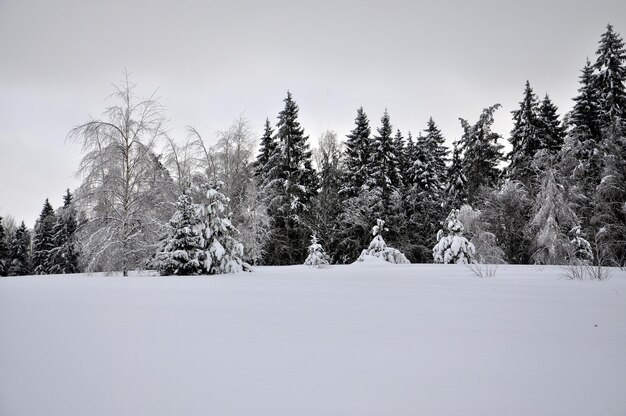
(123,181)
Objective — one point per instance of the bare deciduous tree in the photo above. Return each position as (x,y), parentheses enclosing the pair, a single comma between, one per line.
(123,181)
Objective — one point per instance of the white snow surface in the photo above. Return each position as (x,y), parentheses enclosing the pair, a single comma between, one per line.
(371,338)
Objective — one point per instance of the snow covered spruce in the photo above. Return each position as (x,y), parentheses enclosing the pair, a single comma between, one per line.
(378,248)
(453,248)
(317,256)
(201,239)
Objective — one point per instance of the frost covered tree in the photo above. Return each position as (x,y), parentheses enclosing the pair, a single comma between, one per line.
(581,249)
(506,214)
(486,246)
(552,219)
(43,240)
(64,257)
(180,250)
(317,256)
(220,252)
(357,153)
(481,153)
(4,250)
(454,247)
(378,248)
(124,183)
(20,252)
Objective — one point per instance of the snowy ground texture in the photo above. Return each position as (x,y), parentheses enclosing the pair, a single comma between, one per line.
(365,339)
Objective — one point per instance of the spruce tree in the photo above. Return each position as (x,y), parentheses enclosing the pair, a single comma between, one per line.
(400,151)
(43,240)
(385,177)
(357,156)
(435,144)
(4,251)
(268,148)
(611,73)
(583,120)
(317,256)
(453,248)
(551,130)
(64,256)
(293,184)
(20,252)
(481,153)
(525,138)
(220,252)
(180,250)
(456,181)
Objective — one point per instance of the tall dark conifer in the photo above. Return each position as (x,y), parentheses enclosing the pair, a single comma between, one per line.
(267,149)
(481,153)
(525,138)
(611,74)
(385,177)
(4,251)
(293,185)
(43,240)
(356,158)
(20,252)
(551,130)
(64,256)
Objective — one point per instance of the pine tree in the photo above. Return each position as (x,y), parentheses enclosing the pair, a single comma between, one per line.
(317,256)
(551,131)
(292,186)
(453,248)
(220,251)
(399,146)
(43,240)
(180,250)
(268,148)
(525,138)
(385,177)
(611,75)
(357,156)
(4,251)
(481,153)
(20,252)
(64,257)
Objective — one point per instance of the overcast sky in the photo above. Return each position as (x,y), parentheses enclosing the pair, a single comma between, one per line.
(212,61)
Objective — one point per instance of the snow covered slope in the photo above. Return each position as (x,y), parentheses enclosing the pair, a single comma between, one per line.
(366,339)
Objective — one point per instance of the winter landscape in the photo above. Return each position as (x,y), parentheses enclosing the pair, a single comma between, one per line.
(357,245)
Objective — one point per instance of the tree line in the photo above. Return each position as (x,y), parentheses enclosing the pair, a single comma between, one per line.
(558,196)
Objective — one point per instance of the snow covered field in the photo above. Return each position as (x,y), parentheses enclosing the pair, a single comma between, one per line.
(365,339)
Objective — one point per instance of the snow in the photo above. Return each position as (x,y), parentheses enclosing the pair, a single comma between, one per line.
(372,338)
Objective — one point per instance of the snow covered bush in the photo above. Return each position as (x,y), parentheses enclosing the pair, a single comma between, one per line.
(179,252)
(581,249)
(220,251)
(378,247)
(317,256)
(453,248)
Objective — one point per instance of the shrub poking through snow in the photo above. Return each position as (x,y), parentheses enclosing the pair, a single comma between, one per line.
(453,248)
(221,252)
(378,247)
(317,256)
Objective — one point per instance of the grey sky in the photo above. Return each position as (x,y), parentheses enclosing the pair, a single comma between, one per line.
(214,60)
